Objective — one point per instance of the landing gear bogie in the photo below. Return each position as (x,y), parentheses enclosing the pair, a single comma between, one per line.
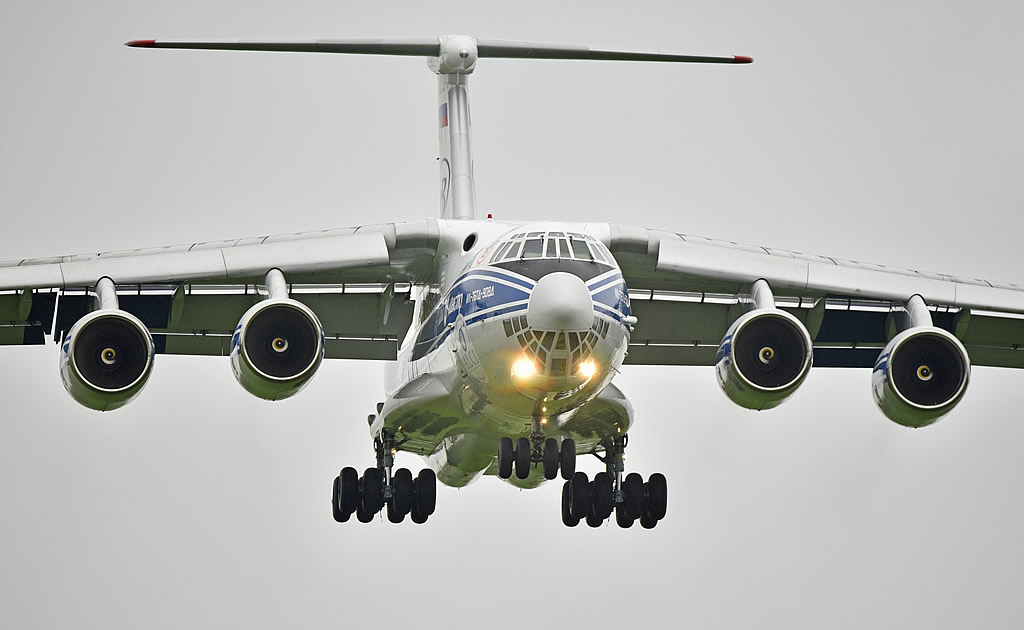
(383,487)
(628,497)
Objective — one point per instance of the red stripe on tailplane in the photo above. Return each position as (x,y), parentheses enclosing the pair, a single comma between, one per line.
(141,43)
(742,59)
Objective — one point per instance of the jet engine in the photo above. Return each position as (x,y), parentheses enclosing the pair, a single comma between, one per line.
(763,358)
(277,348)
(920,376)
(106,359)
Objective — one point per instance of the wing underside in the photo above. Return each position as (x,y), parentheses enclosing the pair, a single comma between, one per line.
(686,291)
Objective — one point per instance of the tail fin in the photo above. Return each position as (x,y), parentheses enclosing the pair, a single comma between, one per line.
(453,58)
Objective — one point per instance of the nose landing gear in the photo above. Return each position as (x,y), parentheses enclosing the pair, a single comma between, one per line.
(536,449)
(382,486)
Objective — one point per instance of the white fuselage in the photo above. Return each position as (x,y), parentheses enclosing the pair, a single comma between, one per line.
(527,324)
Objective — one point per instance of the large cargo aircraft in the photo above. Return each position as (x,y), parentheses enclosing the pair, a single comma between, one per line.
(503,338)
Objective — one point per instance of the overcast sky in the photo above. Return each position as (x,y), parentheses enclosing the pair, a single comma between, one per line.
(888,132)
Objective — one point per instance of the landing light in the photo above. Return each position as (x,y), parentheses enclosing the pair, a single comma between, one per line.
(524,368)
(587,369)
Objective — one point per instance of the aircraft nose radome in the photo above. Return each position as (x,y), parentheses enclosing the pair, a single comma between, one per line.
(560,301)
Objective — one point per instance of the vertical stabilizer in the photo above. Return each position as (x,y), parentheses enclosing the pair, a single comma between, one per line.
(453,66)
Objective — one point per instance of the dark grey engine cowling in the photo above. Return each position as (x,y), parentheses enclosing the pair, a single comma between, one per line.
(763,358)
(106,359)
(277,348)
(920,376)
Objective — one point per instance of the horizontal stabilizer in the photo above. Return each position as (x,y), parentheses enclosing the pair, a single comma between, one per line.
(413,46)
(529,50)
(431,47)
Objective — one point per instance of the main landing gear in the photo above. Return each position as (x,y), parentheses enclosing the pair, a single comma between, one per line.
(382,487)
(630,498)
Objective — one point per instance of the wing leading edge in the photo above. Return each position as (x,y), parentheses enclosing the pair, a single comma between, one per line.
(192,296)
(685,290)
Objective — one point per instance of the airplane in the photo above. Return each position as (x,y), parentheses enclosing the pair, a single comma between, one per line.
(502,339)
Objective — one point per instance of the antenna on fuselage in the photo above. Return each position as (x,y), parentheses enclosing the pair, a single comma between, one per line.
(453,58)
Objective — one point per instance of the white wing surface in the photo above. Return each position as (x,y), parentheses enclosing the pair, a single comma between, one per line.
(191,296)
(683,290)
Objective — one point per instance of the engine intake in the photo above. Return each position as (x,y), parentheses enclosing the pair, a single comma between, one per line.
(277,348)
(106,359)
(920,376)
(763,358)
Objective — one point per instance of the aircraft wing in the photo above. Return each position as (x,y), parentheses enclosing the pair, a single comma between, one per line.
(684,289)
(192,296)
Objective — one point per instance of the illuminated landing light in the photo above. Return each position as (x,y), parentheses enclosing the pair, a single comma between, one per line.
(524,368)
(543,420)
(588,369)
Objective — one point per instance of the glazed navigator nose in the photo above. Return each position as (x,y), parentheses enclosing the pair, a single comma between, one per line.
(560,301)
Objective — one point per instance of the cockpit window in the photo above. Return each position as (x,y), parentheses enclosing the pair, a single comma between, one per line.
(533,248)
(580,250)
(567,245)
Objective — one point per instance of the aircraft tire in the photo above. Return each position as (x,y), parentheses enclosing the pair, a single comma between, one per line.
(372,491)
(623,519)
(579,496)
(348,490)
(403,492)
(603,495)
(633,495)
(567,459)
(657,496)
(594,520)
(552,458)
(505,457)
(339,515)
(362,515)
(567,518)
(417,517)
(393,514)
(425,494)
(647,521)
(523,458)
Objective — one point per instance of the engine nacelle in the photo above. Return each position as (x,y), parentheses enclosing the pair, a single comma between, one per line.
(106,359)
(920,376)
(277,347)
(763,358)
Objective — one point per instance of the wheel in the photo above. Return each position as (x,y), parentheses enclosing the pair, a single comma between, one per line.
(505,456)
(394,515)
(603,495)
(425,489)
(401,492)
(579,495)
(372,491)
(633,495)
(622,517)
(551,458)
(363,516)
(657,495)
(567,518)
(647,521)
(523,451)
(348,490)
(593,519)
(416,516)
(339,515)
(567,459)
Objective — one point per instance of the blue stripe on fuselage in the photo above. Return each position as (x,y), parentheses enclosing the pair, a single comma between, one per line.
(483,293)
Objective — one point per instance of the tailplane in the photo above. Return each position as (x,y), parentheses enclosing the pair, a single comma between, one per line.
(453,58)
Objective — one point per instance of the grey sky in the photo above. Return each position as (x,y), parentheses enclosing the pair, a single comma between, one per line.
(883,132)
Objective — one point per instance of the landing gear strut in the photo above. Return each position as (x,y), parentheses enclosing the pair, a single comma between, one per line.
(536,449)
(382,486)
(630,498)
